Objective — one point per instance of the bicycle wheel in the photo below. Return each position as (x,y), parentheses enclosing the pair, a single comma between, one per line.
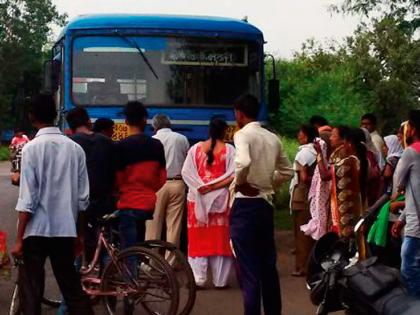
(141,282)
(14,308)
(182,270)
(51,302)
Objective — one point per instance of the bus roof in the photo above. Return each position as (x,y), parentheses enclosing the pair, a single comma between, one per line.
(165,22)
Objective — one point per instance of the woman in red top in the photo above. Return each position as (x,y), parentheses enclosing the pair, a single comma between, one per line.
(208,171)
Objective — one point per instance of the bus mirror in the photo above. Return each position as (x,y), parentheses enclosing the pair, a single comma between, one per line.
(51,76)
(273,95)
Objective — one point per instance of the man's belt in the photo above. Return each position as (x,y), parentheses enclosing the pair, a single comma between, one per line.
(179,177)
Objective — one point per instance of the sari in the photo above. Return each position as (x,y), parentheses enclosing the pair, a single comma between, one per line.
(346,198)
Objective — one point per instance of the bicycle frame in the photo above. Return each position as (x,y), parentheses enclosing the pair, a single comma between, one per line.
(87,280)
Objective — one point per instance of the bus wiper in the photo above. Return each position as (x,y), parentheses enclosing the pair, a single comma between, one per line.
(141,53)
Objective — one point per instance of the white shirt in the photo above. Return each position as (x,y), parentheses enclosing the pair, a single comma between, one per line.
(54,184)
(260,160)
(306,156)
(176,147)
(379,143)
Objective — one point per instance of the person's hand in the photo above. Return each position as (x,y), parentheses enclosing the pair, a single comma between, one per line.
(317,147)
(395,196)
(395,207)
(205,189)
(397,228)
(247,190)
(17,250)
(79,246)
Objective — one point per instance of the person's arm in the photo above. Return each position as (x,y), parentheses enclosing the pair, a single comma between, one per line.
(83,202)
(388,171)
(398,226)
(27,201)
(397,206)
(283,168)
(242,158)
(162,167)
(162,178)
(324,171)
(402,171)
(83,182)
(224,183)
(23,219)
(303,174)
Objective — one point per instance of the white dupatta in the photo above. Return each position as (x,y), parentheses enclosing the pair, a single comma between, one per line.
(216,201)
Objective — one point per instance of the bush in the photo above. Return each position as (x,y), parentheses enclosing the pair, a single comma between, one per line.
(4,153)
(282,218)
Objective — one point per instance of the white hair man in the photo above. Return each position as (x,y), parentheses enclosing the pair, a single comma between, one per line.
(171,197)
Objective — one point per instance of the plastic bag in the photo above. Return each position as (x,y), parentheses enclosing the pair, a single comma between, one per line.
(5,264)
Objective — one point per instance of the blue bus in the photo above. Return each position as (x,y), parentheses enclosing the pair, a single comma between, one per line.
(188,67)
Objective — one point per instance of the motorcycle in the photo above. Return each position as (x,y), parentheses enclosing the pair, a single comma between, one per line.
(338,281)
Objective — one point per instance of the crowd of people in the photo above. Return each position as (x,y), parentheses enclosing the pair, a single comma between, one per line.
(343,174)
(339,175)
(68,183)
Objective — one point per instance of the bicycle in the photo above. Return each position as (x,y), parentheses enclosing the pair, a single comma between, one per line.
(182,270)
(136,279)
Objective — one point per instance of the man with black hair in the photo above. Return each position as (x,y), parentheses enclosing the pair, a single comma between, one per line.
(407,177)
(370,122)
(54,191)
(141,172)
(104,126)
(100,161)
(260,165)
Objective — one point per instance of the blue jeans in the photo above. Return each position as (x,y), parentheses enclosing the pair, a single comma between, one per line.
(132,232)
(133,226)
(410,266)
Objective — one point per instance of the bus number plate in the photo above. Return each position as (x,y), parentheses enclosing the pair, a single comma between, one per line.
(232,129)
(120,132)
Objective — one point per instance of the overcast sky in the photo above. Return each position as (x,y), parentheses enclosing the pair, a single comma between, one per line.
(286,24)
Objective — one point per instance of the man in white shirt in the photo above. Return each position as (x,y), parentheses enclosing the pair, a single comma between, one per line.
(260,165)
(370,122)
(171,197)
(54,188)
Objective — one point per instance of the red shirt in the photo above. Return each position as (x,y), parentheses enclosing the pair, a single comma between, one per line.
(141,172)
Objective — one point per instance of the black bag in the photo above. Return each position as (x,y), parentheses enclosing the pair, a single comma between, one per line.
(368,285)
(371,279)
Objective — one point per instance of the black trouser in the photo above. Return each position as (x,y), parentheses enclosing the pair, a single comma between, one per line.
(60,250)
(252,234)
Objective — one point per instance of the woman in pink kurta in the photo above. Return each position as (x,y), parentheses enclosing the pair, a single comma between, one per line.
(208,172)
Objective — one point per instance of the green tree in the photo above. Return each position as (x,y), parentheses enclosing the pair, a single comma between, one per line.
(406,12)
(386,52)
(25,29)
(318,81)
(387,59)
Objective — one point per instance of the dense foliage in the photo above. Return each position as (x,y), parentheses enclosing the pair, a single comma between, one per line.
(25,29)
(376,69)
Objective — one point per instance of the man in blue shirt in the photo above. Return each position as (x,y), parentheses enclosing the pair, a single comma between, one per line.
(54,188)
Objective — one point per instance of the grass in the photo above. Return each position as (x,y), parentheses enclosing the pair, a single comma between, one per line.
(4,153)
(282,217)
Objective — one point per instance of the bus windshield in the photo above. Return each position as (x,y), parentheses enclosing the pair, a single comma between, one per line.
(181,71)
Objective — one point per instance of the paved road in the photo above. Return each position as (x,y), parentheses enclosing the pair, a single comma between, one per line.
(209,302)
